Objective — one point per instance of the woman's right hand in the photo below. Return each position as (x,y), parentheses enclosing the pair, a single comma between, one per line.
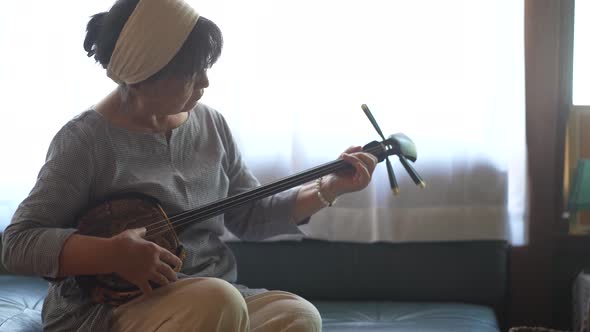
(140,261)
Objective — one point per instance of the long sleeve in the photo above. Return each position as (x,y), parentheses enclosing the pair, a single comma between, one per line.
(45,219)
(263,218)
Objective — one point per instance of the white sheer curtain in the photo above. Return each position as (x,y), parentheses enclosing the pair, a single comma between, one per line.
(291,80)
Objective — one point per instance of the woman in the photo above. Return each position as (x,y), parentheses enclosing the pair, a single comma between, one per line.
(150,135)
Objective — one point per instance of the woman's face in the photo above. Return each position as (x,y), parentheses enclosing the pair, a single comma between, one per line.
(169,96)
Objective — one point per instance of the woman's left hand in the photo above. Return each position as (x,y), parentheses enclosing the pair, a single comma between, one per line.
(354,179)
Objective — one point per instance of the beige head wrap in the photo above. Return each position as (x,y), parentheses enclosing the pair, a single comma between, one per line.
(153,34)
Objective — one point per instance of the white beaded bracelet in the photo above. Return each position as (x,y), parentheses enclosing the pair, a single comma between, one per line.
(318,186)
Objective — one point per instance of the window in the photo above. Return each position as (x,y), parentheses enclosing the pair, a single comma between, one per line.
(290,81)
(581,84)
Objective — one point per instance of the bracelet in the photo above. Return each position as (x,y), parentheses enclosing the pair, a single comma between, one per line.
(318,186)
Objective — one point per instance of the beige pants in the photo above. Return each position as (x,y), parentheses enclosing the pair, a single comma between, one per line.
(211,304)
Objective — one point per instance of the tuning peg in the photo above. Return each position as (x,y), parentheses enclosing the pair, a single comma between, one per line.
(413,174)
(372,119)
(392,180)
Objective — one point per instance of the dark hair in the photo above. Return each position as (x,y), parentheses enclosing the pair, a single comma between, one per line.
(199,52)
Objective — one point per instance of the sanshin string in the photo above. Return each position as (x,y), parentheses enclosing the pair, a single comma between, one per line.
(215,208)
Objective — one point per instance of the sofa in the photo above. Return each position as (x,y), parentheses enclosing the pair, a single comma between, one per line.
(421,286)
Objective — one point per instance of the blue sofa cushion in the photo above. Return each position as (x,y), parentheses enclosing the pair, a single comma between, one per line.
(21,300)
(405,316)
